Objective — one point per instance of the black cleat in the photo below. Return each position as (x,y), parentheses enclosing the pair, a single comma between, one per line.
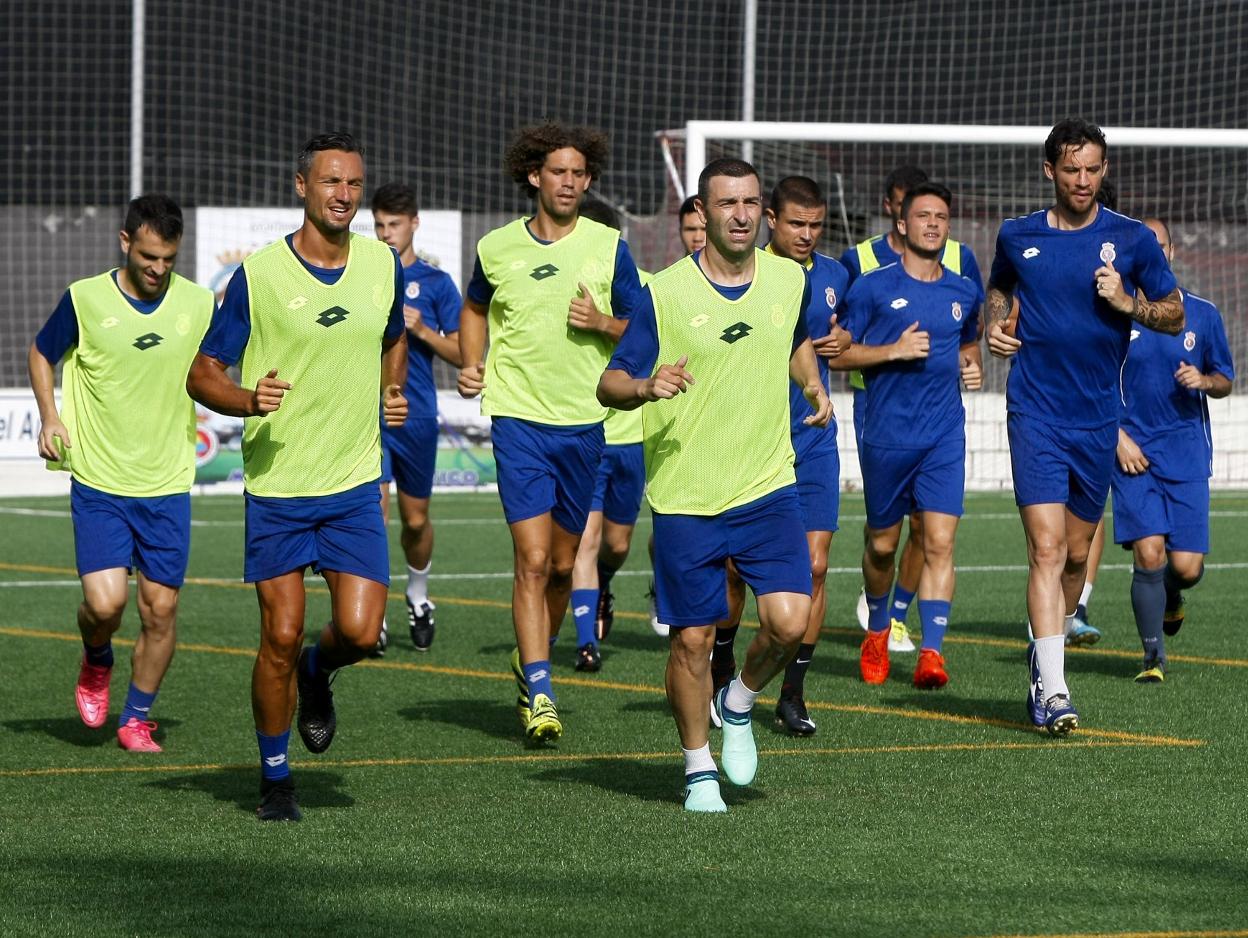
(1174,615)
(606,615)
(317,720)
(791,715)
(588,658)
(277,801)
(420,624)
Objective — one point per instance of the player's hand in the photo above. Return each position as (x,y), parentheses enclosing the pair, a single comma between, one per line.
(267,397)
(834,344)
(820,403)
(471,380)
(1130,457)
(913,344)
(972,373)
(1109,288)
(415,325)
(583,313)
(394,406)
(51,431)
(1000,342)
(1189,376)
(668,381)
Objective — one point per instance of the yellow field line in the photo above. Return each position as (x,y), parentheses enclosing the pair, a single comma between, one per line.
(651,689)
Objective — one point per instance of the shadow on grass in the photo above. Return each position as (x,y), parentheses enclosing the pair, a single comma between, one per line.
(73,731)
(315,788)
(645,780)
(492,718)
(635,636)
(654,704)
(1010,710)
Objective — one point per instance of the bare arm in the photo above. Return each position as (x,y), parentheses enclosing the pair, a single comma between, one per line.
(393,374)
(804,372)
(1001,340)
(42,383)
(617,389)
(446,347)
(910,345)
(1215,384)
(1164,315)
(208,384)
(583,314)
(473,330)
(971,366)
(1130,457)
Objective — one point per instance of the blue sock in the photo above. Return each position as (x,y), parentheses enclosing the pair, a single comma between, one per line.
(99,655)
(878,612)
(138,705)
(902,598)
(584,612)
(1148,602)
(537,676)
(934,616)
(273,765)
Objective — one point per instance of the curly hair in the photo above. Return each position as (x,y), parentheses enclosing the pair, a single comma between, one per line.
(530,146)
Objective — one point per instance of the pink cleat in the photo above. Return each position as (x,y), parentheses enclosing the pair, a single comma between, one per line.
(136,736)
(92,693)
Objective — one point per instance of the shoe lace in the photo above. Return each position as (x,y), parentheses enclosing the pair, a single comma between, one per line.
(96,678)
(142,727)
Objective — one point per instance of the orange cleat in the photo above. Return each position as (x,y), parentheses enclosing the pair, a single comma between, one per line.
(136,736)
(873,664)
(930,673)
(91,693)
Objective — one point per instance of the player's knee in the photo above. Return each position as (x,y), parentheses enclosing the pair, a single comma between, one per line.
(280,642)
(1048,553)
(1189,569)
(561,572)
(533,563)
(157,613)
(1149,554)
(819,567)
(881,548)
(104,607)
(691,648)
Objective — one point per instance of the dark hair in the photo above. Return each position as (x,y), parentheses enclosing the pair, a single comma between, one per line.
(925,188)
(904,178)
(724,166)
(802,191)
(530,146)
(1072,132)
(595,209)
(395,198)
(334,140)
(686,208)
(159,212)
(1107,195)
(1164,226)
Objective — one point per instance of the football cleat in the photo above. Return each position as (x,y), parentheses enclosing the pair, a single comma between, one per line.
(588,658)
(738,754)
(522,688)
(1035,689)
(1060,717)
(277,801)
(873,661)
(136,736)
(317,720)
(420,624)
(899,637)
(606,615)
(792,717)
(1172,621)
(383,641)
(1081,631)
(1154,672)
(543,724)
(929,671)
(91,693)
(702,793)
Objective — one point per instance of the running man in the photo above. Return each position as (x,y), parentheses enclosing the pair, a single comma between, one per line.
(316,319)
(126,434)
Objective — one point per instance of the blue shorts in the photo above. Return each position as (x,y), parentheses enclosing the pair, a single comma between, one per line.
(819,488)
(765,540)
(897,482)
(343,532)
(621,483)
(545,468)
(1145,505)
(409,455)
(1061,466)
(860,414)
(151,535)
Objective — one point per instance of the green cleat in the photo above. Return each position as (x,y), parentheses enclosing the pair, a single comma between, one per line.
(1154,672)
(522,688)
(543,724)
(702,793)
(738,755)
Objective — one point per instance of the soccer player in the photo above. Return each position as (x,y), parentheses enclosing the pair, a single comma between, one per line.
(915,325)
(126,434)
(316,319)
(431,305)
(692,226)
(1082,274)
(1165,459)
(864,256)
(719,460)
(795,216)
(618,489)
(547,349)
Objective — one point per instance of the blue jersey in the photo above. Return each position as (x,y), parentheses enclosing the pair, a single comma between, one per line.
(885,255)
(434,294)
(914,404)
(1073,342)
(827,282)
(1168,421)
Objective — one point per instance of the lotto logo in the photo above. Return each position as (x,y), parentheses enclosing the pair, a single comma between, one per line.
(1030,253)
(900,303)
(298,302)
(544,271)
(738,330)
(699,320)
(144,342)
(332,316)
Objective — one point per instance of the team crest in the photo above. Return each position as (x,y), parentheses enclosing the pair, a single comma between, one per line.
(412,291)
(777,315)
(1189,340)
(830,295)
(1108,254)
(183,324)
(957,312)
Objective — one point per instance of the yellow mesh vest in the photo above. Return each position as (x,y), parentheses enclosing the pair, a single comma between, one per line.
(725,442)
(623,427)
(123,390)
(326,341)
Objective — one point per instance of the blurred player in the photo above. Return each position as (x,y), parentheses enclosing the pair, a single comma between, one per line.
(914,325)
(692,227)
(547,348)
(867,255)
(126,434)
(1165,459)
(431,305)
(1082,274)
(316,319)
(719,461)
(796,216)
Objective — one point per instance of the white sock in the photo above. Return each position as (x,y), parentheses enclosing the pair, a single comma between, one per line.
(418,584)
(1051,659)
(699,760)
(1068,625)
(1086,594)
(739,699)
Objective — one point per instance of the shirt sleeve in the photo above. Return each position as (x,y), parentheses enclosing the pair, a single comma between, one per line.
(970,321)
(447,305)
(1218,350)
(849,260)
(395,324)
(1003,276)
(854,315)
(801,332)
(480,290)
(60,333)
(637,352)
(1152,272)
(626,284)
(970,267)
(230,331)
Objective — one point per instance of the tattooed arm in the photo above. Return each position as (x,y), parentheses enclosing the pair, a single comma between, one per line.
(1164,315)
(1001,340)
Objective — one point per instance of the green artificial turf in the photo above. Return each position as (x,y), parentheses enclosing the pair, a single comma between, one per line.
(909,813)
